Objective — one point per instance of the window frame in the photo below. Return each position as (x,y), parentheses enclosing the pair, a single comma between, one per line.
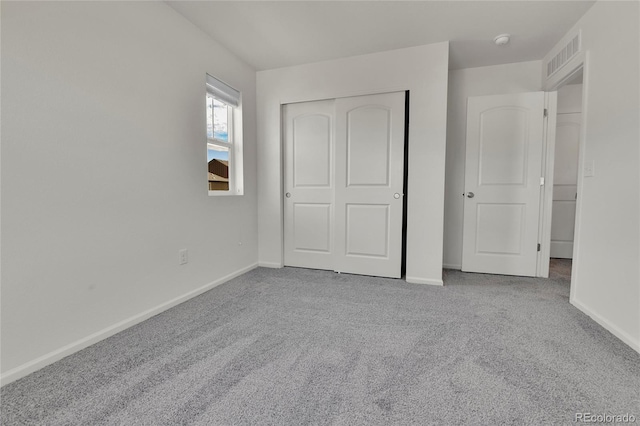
(230,97)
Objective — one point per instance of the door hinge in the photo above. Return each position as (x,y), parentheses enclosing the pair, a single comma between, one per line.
(545,113)
(538,246)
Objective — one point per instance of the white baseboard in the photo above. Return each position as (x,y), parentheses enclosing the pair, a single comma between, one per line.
(413,280)
(270,265)
(38,363)
(452,266)
(626,338)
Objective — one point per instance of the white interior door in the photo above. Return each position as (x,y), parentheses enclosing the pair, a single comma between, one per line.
(309,184)
(565,185)
(369,184)
(502,183)
(344,165)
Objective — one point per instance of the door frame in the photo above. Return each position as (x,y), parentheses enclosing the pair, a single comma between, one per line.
(546,189)
(579,63)
(405,172)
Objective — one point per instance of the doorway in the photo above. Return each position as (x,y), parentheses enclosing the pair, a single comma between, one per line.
(565,174)
(507,247)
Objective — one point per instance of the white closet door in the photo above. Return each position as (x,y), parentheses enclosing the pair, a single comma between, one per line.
(369,184)
(309,184)
(502,183)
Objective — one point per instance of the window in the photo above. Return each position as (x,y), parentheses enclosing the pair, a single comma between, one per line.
(224,138)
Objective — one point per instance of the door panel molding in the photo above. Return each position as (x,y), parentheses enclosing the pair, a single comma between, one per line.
(312,153)
(368,142)
(359,241)
(491,133)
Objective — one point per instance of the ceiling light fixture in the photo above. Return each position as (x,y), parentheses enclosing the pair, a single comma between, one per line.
(502,39)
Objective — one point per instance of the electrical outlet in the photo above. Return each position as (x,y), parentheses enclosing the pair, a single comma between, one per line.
(183,256)
(590,169)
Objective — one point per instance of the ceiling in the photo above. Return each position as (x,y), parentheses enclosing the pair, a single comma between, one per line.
(274,34)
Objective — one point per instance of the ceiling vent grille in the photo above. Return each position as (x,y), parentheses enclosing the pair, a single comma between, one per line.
(564,55)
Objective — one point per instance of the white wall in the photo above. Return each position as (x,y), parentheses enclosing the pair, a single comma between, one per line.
(423,71)
(492,80)
(570,99)
(103,173)
(606,271)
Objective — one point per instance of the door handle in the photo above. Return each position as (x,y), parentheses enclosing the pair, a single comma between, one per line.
(470,194)
(396,195)
(288,195)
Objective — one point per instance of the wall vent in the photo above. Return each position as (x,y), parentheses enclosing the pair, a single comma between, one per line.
(564,55)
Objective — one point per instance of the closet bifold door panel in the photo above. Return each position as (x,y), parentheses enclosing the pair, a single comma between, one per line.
(344,168)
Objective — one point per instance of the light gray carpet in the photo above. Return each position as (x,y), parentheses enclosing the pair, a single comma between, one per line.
(295,347)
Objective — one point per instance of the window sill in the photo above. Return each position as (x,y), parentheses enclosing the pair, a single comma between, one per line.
(225,194)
